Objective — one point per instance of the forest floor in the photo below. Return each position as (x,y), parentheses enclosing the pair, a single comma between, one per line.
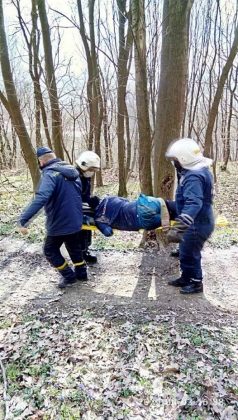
(124,345)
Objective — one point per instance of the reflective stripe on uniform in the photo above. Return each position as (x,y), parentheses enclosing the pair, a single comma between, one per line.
(79,263)
(61,267)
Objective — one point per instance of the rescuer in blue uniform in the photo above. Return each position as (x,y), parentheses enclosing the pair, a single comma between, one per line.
(195,219)
(59,192)
(87,164)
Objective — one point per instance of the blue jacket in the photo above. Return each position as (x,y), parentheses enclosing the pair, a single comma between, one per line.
(59,193)
(92,201)
(86,188)
(116,212)
(194,196)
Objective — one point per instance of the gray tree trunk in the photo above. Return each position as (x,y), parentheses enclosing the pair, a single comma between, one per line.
(215,104)
(125,43)
(142,101)
(171,95)
(57,135)
(14,107)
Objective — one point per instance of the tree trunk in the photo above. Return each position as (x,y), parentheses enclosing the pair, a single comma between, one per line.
(122,78)
(142,102)
(128,143)
(57,135)
(15,111)
(105,121)
(97,96)
(227,143)
(94,95)
(215,104)
(90,73)
(3,159)
(34,44)
(171,95)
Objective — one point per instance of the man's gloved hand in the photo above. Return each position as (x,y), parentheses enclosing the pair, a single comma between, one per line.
(176,233)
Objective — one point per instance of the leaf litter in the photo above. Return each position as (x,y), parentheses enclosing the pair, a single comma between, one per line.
(76,366)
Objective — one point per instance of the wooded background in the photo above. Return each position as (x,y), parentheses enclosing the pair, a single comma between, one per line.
(120,77)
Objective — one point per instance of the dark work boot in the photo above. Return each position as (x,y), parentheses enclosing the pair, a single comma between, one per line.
(81,272)
(192,287)
(66,283)
(68,277)
(89,258)
(180,282)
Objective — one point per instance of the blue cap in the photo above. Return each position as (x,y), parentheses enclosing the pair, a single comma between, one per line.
(40,151)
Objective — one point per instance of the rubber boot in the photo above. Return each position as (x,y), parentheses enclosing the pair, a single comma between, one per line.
(68,276)
(180,282)
(81,271)
(195,286)
(89,258)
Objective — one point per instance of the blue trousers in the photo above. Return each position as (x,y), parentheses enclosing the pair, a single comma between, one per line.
(190,250)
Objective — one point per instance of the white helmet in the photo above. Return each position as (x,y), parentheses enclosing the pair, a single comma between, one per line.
(188,153)
(88,160)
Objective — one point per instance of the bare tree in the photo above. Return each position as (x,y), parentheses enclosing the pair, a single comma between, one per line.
(227,143)
(216,100)
(13,105)
(142,101)
(173,79)
(32,40)
(57,136)
(93,85)
(125,44)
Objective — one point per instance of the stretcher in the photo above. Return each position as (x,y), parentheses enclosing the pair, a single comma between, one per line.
(221,221)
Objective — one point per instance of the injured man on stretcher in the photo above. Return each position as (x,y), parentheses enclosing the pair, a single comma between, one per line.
(114,212)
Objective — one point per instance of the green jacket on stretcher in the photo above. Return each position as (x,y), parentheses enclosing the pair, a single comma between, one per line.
(115,212)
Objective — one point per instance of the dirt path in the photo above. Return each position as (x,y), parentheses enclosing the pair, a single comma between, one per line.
(132,282)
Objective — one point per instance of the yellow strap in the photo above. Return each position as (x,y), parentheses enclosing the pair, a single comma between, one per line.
(79,263)
(221,221)
(89,227)
(61,267)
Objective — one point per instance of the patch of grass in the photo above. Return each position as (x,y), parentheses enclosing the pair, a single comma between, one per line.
(38,370)
(7,228)
(119,245)
(111,188)
(126,392)
(224,237)
(34,395)
(5,323)
(13,372)
(68,413)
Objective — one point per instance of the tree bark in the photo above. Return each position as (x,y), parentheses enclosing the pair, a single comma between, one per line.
(215,104)
(97,95)
(94,95)
(171,95)
(15,111)
(227,143)
(122,78)
(142,101)
(57,135)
